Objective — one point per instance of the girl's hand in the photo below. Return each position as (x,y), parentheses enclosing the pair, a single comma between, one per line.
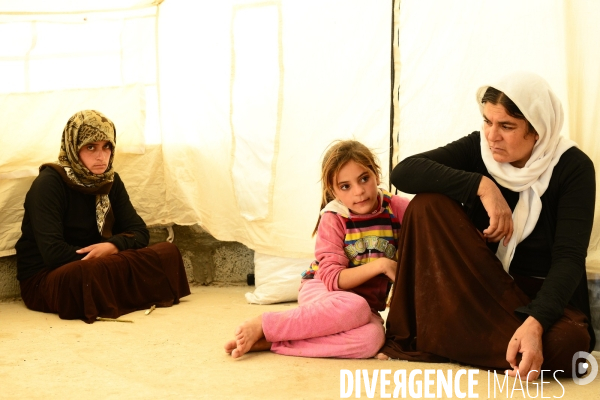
(388,267)
(350,278)
(501,223)
(98,250)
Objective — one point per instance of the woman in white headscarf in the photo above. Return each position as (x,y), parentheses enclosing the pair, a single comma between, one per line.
(492,250)
(82,253)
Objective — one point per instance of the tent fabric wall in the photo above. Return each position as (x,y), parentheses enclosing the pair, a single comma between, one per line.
(446,50)
(583,64)
(20,8)
(34,138)
(324,75)
(220,125)
(46,114)
(60,60)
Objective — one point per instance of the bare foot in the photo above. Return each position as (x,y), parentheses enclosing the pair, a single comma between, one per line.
(230,346)
(249,336)
(261,345)
(382,356)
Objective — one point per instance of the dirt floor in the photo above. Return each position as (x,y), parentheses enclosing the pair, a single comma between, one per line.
(177,353)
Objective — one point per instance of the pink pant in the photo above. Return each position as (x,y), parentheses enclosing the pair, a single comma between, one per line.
(325,324)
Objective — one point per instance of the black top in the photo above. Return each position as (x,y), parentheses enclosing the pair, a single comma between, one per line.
(557,247)
(59,220)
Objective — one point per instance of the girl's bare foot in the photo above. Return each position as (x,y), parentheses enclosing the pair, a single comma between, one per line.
(249,336)
(382,356)
(230,346)
(261,345)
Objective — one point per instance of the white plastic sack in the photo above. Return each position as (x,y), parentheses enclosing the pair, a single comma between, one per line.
(277,279)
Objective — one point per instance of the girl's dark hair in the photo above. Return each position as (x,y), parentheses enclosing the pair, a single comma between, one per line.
(497,97)
(335,158)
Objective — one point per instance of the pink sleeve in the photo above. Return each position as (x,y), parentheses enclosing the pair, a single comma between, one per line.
(329,250)
(399,205)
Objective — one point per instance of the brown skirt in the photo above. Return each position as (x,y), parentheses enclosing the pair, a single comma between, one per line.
(110,286)
(452,300)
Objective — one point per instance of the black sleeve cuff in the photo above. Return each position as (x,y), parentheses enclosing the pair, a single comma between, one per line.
(118,241)
(524,312)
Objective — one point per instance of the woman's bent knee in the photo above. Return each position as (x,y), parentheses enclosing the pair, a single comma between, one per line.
(562,341)
(426,201)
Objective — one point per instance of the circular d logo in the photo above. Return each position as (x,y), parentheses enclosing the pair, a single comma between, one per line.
(590,366)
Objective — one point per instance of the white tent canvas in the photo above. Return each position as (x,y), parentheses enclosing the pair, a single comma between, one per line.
(224,108)
(239,101)
(446,50)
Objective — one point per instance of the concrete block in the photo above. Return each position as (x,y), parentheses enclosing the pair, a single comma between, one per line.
(9,285)
(233,262)
(212,260)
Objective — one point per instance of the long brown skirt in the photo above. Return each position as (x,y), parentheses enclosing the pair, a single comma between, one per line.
(110,286)
(453,301)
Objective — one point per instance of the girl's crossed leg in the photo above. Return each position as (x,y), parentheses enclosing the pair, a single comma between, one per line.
(325,324)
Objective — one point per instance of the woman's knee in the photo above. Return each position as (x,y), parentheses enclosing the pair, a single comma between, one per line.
(165,250)
(424,202)
(562,342)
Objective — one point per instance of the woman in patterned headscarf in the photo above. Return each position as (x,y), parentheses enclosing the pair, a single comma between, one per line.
(78,224)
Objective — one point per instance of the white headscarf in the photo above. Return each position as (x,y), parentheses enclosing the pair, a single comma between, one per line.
(542,108)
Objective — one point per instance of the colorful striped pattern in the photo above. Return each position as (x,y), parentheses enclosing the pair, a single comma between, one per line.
(368,239)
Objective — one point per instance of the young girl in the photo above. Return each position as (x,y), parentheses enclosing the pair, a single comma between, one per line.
(348,283)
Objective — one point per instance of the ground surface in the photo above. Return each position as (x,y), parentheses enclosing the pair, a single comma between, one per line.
(177,353)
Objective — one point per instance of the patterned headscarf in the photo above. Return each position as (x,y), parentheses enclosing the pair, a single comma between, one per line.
(83,128)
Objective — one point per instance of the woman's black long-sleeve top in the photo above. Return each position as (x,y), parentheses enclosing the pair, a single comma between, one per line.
(59,220)
(557,247)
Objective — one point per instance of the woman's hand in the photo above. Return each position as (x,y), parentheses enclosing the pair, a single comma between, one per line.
(527,341)
(501,223)
(98,250)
